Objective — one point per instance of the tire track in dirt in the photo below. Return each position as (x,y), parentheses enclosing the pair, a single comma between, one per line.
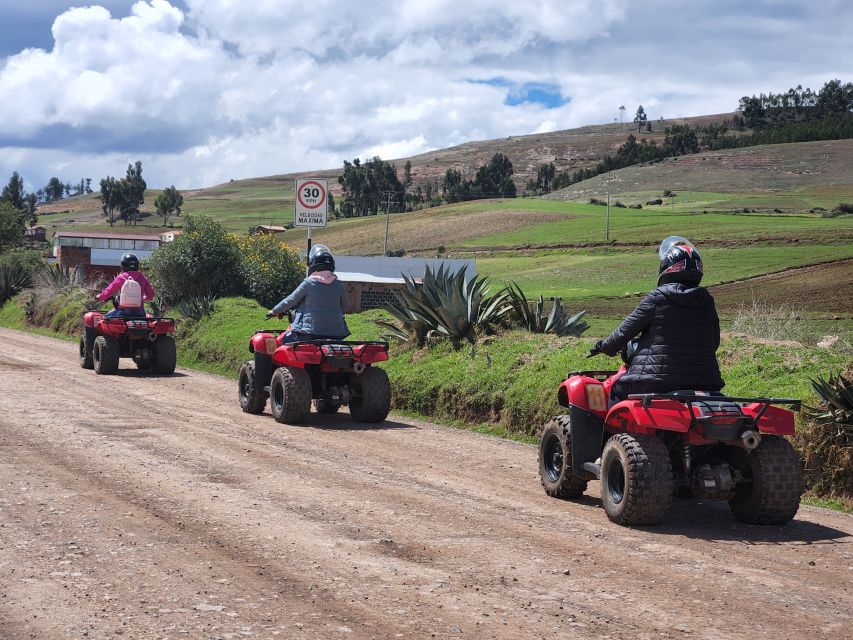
(408,528)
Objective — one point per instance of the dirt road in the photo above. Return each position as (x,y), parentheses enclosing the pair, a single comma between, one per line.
(151,507)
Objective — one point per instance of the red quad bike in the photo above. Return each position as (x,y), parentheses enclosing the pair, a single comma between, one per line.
(651,447)
(331,372)
(147,340)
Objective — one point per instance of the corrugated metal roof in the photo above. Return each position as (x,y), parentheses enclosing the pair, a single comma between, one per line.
(110,236)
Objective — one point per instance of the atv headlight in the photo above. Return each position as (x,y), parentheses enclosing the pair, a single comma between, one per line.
(270,345)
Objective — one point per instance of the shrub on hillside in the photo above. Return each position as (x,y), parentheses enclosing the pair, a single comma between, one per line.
(655,201)
(204,260)
(764,319)
(842,208)
(269,269)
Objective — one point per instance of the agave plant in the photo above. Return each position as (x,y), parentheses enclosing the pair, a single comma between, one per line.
(195,307)
(837,406)
(57,277)
(13,279)
(445,304)
(535,319)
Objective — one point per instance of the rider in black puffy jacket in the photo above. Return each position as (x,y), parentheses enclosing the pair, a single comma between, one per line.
(678,329)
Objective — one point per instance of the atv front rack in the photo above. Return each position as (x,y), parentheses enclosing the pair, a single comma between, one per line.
(592,373)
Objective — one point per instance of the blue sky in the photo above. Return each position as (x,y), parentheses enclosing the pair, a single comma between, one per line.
(206,90)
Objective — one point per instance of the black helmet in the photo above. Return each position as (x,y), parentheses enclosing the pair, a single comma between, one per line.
(679,262)
(129,262)
(320,259)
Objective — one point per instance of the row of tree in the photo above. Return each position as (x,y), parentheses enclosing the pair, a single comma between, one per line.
(55,189)
(17,210)
(795,105)
(492,180)
(121,198)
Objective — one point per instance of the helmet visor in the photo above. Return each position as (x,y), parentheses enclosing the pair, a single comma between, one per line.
(673,241)
(318,250)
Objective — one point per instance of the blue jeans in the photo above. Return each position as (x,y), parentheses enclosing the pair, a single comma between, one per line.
(296,336)
(126,313)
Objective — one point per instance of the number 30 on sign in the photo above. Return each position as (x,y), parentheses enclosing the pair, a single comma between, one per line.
(311,202)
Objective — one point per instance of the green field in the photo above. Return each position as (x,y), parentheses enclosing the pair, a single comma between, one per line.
(589,273)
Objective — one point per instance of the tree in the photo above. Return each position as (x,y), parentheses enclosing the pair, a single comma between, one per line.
(109,198)
(131,193)
(11,229)
(54,189)
(621,113)
(495,178)
(13,193)
(30,215)
(88,185)
(640,118)
(169,202)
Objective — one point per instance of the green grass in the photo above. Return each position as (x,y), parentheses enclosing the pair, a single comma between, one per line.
(589,273)
(836,504)
(652,224)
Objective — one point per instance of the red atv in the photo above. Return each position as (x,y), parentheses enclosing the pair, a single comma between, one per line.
(331,372)
(651,447)
(147,340)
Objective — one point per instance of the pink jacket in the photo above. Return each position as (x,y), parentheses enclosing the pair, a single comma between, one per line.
(115,286)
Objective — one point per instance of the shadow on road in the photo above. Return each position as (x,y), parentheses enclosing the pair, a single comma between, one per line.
(344,422)
(138,373)
(713,520)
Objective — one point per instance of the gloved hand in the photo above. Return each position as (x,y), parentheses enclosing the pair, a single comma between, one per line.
(595,350)
(270,313)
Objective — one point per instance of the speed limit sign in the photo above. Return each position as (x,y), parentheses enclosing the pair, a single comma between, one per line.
(311,201)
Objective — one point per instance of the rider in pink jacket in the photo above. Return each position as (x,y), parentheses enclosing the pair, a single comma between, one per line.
(130,264)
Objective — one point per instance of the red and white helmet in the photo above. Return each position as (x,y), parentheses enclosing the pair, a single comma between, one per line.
(679,262)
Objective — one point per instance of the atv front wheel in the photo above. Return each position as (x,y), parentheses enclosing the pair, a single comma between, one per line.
(290,394)
(636,479)
(555,460)
(251,400)
(774,482)
(105,355)
(371,395)
(85,356)
(164,354)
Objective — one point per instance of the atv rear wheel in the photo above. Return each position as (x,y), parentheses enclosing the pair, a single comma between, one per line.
(105,355)
(321,405)
(85,357)
(251,400)
(555,460)
(371,395)
(774,484)
(290,394)
(636,479)
(164,355)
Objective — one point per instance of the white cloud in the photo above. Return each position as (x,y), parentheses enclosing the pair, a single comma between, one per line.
(234,89)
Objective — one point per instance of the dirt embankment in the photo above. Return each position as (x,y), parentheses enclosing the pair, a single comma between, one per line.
(151,507)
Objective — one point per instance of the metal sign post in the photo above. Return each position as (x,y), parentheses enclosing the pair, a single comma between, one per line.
(311,205)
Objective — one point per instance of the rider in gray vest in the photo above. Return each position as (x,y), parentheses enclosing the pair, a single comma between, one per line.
(317,303)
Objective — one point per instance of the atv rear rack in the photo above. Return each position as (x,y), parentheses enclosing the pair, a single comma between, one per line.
(690,398)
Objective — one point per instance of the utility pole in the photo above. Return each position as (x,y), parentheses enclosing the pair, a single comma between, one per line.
(387,217)
(607,222)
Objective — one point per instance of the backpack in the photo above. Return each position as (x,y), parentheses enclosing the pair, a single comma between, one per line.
(131,295)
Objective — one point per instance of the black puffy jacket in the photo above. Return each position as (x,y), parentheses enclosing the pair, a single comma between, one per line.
(679,332)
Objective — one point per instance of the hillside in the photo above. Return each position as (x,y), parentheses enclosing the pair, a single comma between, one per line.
(243,203)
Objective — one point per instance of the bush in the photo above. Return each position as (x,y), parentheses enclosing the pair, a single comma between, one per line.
(601,203)
(668,193)
(844,207)
(825,443)
(763,319)
(635,206)
(204,260)
(395,253)
(655,201)
(619,205)
(269,268)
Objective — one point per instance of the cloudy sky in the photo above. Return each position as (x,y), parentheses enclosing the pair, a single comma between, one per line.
(206,90)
